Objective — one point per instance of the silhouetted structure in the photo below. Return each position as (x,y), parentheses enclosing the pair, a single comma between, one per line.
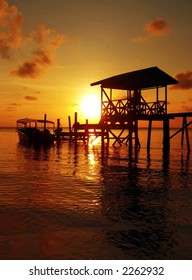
(124,113)
(123,106)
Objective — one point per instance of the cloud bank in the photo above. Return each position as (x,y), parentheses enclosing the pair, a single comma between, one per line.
(185,80)
(44,40)
(11,21)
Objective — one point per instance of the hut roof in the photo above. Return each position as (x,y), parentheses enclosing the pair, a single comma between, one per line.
(141,79)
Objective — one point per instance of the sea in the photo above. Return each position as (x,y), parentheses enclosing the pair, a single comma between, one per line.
(82,202)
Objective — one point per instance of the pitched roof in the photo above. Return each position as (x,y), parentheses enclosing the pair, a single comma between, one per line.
(140,79)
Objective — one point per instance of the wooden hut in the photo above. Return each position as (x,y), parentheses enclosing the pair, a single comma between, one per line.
(124,113)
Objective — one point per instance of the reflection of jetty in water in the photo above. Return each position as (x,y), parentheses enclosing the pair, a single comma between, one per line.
(131,200)
(136,204)
(120,116)
(102,210)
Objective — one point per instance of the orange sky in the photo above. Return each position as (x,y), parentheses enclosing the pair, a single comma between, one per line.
(52,50)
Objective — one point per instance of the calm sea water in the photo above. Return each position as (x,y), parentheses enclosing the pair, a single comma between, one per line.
(70,202)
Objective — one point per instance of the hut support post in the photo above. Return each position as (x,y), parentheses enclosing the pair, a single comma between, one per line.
(137,144)
(149,135)
(102,138)
(101,101)
(166,100)
(166,137)
(157,99)
(130,138)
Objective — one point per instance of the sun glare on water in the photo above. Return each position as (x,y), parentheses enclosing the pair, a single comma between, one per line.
(91,107)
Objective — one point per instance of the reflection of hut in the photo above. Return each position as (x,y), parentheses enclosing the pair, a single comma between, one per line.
(124,113)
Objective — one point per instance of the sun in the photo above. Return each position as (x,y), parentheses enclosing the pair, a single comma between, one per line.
(91,107)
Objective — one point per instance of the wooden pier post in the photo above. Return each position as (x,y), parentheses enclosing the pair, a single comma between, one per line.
(149,136)
(166,137)
(185,127)
(136,138)
(187,135)
(102,139)
(130,139)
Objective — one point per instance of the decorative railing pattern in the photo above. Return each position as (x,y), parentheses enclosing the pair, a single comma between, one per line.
(124,107)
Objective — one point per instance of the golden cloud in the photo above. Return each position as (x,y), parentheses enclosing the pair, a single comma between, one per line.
(45,41)
(155,28)
(11,21)
(31,98)
(185,80)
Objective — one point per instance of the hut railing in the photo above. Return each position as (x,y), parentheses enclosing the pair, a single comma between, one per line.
(124,107)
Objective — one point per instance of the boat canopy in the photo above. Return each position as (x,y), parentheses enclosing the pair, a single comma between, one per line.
(26,121)
(43,121)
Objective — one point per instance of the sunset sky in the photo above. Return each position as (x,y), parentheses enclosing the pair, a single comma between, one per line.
(51,51)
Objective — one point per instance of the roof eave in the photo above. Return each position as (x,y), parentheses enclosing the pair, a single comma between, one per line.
(152,77)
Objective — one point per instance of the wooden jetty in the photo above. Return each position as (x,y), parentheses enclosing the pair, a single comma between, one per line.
(120,115)
(79,132)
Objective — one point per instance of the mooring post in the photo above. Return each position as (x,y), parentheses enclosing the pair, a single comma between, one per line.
(57,131)
(70,130)
(87,130)
(75,128)
(58,123)
(45,120)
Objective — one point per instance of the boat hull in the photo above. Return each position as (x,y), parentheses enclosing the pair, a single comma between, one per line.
(23,138)
(35,137)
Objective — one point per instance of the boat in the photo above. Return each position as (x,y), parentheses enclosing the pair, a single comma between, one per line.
(35,132)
